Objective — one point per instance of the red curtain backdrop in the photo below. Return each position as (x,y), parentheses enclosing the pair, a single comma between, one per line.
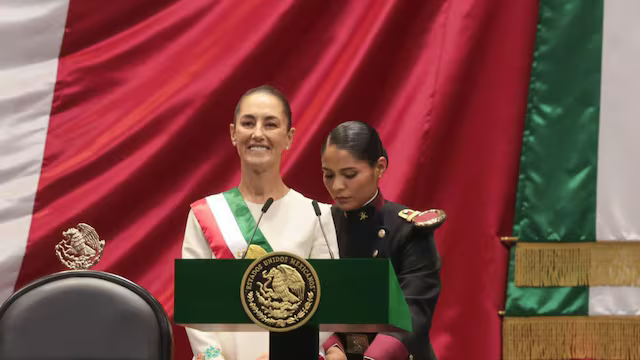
(146,90)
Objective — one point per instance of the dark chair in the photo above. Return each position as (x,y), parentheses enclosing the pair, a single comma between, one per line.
(84,314)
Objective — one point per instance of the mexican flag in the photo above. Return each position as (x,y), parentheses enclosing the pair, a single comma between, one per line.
(574,278)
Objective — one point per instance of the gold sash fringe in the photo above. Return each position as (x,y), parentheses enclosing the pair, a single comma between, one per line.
(571,337)
(603,263)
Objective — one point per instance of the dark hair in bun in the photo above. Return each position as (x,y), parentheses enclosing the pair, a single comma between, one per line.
(360,139)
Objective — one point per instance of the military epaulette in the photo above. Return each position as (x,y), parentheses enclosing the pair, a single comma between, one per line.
(430,218)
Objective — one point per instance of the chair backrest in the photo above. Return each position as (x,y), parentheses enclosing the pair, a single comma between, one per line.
(84,314)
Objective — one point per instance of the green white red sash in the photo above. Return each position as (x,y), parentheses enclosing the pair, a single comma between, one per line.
(227,224)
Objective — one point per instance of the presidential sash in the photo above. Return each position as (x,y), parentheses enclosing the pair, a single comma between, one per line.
(227,224)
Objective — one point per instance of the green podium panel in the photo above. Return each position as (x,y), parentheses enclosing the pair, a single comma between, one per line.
(357,295)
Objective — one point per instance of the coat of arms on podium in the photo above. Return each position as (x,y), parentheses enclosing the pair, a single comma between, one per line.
(280,291)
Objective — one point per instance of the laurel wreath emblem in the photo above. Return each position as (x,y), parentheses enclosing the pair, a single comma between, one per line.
(280,291)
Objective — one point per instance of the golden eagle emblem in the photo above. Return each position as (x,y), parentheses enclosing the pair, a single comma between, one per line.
(81,247)
(280,291)
(286,283)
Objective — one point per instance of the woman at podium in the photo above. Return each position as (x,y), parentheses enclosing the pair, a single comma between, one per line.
(221,226)
(353,161)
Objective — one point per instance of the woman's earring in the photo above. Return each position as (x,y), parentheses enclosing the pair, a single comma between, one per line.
(287,148)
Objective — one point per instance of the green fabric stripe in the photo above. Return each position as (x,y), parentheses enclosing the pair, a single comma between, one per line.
(556,198)
(245,220)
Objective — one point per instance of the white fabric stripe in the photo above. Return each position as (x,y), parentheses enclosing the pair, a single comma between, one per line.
(30,39)
(618,196)
(227,224)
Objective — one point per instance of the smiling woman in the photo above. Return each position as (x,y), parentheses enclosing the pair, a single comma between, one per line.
(261,131)
(220,226)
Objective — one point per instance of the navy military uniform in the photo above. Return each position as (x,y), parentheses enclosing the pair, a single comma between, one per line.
(389,230)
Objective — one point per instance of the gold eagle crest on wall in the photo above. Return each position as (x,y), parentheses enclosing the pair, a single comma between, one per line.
(81,247)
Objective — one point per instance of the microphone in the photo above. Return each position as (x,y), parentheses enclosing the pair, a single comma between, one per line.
(265,207)
(316,208)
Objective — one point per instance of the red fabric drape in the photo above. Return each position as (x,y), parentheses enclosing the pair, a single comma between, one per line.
(146,90)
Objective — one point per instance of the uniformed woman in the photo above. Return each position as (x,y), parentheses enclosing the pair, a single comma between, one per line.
(353,161)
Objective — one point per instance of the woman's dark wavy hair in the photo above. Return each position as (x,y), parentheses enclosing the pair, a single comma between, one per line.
(268,89)
(359,139)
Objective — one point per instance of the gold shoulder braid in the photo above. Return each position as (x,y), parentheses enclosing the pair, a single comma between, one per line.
(431,218)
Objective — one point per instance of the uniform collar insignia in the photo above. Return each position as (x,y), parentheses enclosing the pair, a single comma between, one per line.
(366,211)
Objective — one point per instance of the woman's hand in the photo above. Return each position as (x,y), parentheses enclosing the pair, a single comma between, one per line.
(264,356)
(334,353)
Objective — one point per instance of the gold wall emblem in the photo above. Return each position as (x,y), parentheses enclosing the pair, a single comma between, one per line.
(280,291)
(81,247)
